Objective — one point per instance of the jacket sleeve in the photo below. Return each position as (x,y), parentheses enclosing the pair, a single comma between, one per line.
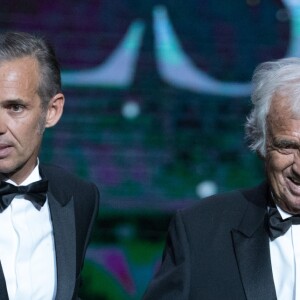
(172,280)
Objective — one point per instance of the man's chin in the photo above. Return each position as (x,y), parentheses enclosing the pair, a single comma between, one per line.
(7,171)
(290,205)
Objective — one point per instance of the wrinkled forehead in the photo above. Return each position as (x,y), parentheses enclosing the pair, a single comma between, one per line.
(281,118)
(287,97)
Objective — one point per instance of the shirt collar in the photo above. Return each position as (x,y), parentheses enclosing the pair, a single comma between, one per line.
(284,215)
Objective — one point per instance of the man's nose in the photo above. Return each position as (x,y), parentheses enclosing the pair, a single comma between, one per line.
(3,123)
(296,163)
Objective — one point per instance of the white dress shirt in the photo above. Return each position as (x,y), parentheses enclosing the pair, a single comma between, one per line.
(27,250)
(285,259)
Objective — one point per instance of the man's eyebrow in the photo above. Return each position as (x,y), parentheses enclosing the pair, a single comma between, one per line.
(285,142)
(13,101)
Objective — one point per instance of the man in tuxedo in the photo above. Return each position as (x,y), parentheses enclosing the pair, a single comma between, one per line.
(245,244)
(46,214)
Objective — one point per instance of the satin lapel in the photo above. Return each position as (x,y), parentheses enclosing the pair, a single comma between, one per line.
(3,290)
(254,264)
(251,244)
(65,246)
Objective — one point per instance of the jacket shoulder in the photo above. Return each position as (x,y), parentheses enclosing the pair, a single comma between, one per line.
(60,173)
(230,205)
(64,181)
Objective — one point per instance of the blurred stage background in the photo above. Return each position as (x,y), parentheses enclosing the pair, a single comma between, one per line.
(157,94)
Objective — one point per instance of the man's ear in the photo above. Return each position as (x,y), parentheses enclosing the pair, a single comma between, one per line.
(55,110)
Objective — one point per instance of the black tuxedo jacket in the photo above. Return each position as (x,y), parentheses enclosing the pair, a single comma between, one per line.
(218,249)
(73,206)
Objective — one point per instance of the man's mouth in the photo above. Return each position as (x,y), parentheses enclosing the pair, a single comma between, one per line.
(5,149)
(294,180)
(293,185)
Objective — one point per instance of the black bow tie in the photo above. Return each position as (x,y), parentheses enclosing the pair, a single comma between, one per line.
(278,226)
(34,192)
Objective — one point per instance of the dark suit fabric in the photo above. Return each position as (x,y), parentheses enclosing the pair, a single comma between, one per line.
(73,205)
(217,249)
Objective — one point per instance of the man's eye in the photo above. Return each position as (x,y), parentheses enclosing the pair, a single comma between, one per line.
(289,146)
(16,107)
(286,147)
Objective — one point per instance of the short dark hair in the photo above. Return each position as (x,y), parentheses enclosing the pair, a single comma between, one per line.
(15,45)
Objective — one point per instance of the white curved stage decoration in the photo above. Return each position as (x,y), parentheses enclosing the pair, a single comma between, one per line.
(293,8)
(174,65)
(118,70)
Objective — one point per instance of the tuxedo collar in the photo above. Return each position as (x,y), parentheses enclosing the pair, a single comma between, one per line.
(61,204)
(257,207)
(55,185)
(251,244)
(63,222)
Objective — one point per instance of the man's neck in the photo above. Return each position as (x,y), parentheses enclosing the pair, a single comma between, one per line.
(19,176)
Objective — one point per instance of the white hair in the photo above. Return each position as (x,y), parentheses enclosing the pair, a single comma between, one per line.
(281,76)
